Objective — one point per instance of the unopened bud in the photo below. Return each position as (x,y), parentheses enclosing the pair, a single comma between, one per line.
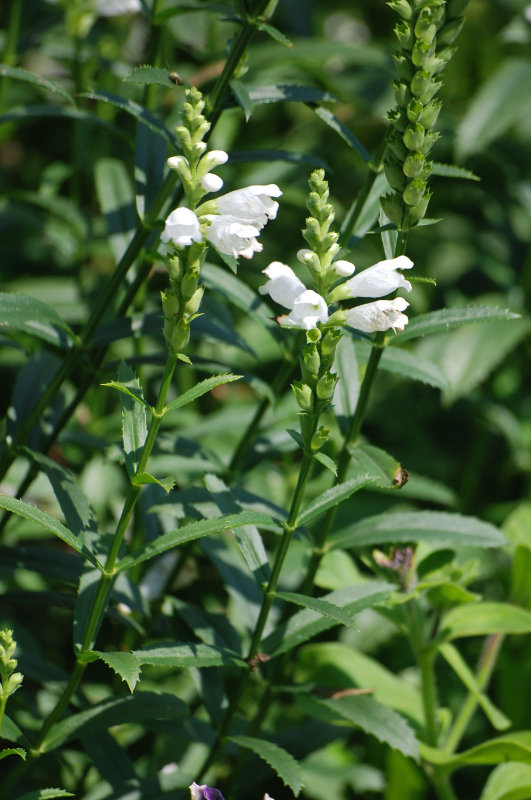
(404,34)
(414,110)
(414,136)
(392,207)
(401,92)
(429,140)
(414,164)
(418,212)
(303,395)
(311,359)
(394,174)
(194,302)
(401,7)
(414,191)
(325,386)
(404,67)
(422,53)
(319,438)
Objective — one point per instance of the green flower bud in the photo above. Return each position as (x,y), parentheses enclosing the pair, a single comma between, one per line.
(414,164)
(403,66)
(414,110)
(175,269)
(303,395)
(430,113)
(404,34)
(414,191)
(189,284)
(14,682)
(313,336)
(425,28)
(192,305)
(392,207)
(312,360)
(450,31)
(422,53)
(420,82)
(197,150)
(328,348)
(319,438)
(170,304)
(401,7)
(429,140)
(394,174)
(401,92)
(438,15)
(418,211)
(396,145)
(325,386)
(414,136)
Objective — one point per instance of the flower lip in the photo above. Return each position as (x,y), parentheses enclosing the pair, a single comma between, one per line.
(378,316)
(182,228)
(283,285)
(251,204)
(380,279)
(309,308)
(233,237)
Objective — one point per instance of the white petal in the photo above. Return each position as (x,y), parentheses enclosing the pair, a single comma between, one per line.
(211,182)
(214,158)
(174,162)
(283,285)
(182,228)
(343,268)
(309,308)
(232,237)
(251,204)
(380,279)
(378,316)
(113,8)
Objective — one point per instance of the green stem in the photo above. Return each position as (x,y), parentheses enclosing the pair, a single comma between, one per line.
(10,52)
(153,55)
(485,668)
(424,655)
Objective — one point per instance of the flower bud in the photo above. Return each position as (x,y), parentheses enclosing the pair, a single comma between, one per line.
(414,191)
(396,145)
(401,92)
(328,347)
(403,67)
(418,211)
(414,110)
(197,149)
(392,207)
(414,136)
(325,386)
(14,682)
(394,174)
(343,268)
(319,438)
(450,31)
(401,7)
(404,34)
(189,284)
(429,140)
(194,302)
(174,269)
(414,164)
(425,28)
(311,359)
(420,82)
(303,395)
(422,53)
(211,182)
(181,166)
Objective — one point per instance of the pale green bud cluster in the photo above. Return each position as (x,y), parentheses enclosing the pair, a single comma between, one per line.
(182,298)
(425,32)
(9,679)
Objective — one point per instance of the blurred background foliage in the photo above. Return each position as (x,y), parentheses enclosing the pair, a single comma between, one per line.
(67,167)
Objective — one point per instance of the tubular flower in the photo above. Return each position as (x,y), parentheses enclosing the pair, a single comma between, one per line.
(308,309)
(204,792)
(376,281)
(378,316)
(232,237)
(283,285)
(253,204)
(182,228)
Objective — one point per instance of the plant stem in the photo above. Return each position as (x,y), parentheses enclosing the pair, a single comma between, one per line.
(485,668)
(10,51)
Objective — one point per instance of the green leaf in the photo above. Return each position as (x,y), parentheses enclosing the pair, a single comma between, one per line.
(497,719)
(19,312)
(274,33)
(12,732)
(116,199)
(372,717)
(383,469)
(406,364)
(502,101)
(187,655)
(19,74)
(347,388)
(138,707)
(135,393)
(419,526)
(244,156)
(13,751)
(134,420)
(45,794)
(150,162)
(453,171)
(286,92)
(322,607)
(508,782)
(241,94)
(343,132)
(44,520)
(333,497)
(482,619)
(308,623)
(510,747)
(136,111)
(285,766)
(143,478)
(327,462)
(149,76)
(188,533)
(446,318)
(124,664)
(30,112)
(200,389)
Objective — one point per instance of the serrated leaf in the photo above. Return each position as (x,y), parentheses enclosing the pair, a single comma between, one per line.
(19,312)
(45,794)
(453,171)
(188,533)
(200,389)
(366,713)
(19,74)
(12,732)
(146,75)
(454,658)
(134,419)
(143,478)
(508,782)
(333,497)
(282,762)
(446,318)
(510,747)
(124,664)
(322,607)
(13,751)
(419,526)
(327,462)
(406,364)
(44,520)
(482,619)
(343,132)
(287,92)
(307,623)
(138,707)
(187,655)
(135,393)
(241,94)
(275,34)
(384,470)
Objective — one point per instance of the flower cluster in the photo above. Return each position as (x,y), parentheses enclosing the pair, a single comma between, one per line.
(9,679)
(204,792)
(425,33)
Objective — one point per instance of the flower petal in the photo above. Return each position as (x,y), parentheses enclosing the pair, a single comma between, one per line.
(380,279)
(182,228)
(378,316)
(283,285)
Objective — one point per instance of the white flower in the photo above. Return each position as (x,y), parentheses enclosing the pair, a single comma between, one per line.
(378,316)
(308,309)
(214,158)
(113,8)
(380,279)
(232,237)
(343,268)
(253,204)
(283,285)
(211,182)
(267,797)
(182,228)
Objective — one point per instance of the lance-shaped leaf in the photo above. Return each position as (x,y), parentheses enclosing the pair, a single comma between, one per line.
(508,782)
(136,110)
(482,619)
(200,389)
(124,664)
(139,707)
(195,530)
(446,318)
(19,74)
(343,132)
(323,607)
(134,418)
(406,364)
(187,655)
(117,203)
(143,478)
(333,497)
(19,312)
(44,520)
(510,747)
(149,76)
(372,717)
(13,751)
(283,763)
(308,623)
(419,526)
(385,471)
(45,794)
